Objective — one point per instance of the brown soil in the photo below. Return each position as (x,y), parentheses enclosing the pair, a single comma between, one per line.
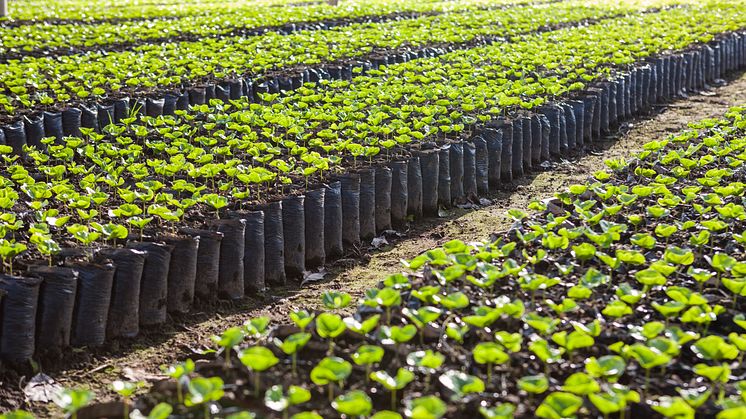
(140,359)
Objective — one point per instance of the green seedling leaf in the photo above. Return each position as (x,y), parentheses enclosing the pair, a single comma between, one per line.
(354,403)
(307,415)
(422,316)
(651,330)
(735,285)
(679,256)
(231,338)
(581,384)
(257,358)
(126,389)
(736,412)
(275,399)
(160,411)
(559,405)
(388,297)
(714,373)
(489,353)
(395,335)
(647,357)
(665,230)
(367,355)
(650,278)
(534,384)
(509,341)
(72,400)
(453,301)
(427,407)
(545,352)
(461,383)
(694,397)
(685,296)
(501,411)
(397,281)
(386,414)
(628,294)
(204,390)
(664,268)
(334,300)
(293,343)
(616,309)
(364,327)
(593,278)
(607,402)
(721,262)
(608,367)
(329,325)
(301,318)
(646,241)
(673,407)
(631,257)
(257,327)
(428,294)
(544,325)
(330,369)
(579,292)
(714,348)
(740,319)
(399,381)
(669,309)
(738,340)
(455,246)
(298,395)
(681,337)
(584,251)
(427,360)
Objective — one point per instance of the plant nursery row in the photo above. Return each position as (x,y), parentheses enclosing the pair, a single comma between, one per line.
(621,296)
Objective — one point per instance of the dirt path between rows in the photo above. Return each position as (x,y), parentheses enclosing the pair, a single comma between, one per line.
(140,359)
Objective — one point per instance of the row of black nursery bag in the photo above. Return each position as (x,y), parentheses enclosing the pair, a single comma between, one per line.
(31,129)
(124,289)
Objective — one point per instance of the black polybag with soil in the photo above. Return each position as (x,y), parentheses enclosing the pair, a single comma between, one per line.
(367,204)
(230,275)
(294,233)
(182,272)
(208,263)
(399,193)
(313,211)
(54,316)
(18,325)
(124,311)
(92,303)
(154,282)
(333,220)
(430,170)
(444,177)
(456,170)
(350,197)
(414,187)
(274,244)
